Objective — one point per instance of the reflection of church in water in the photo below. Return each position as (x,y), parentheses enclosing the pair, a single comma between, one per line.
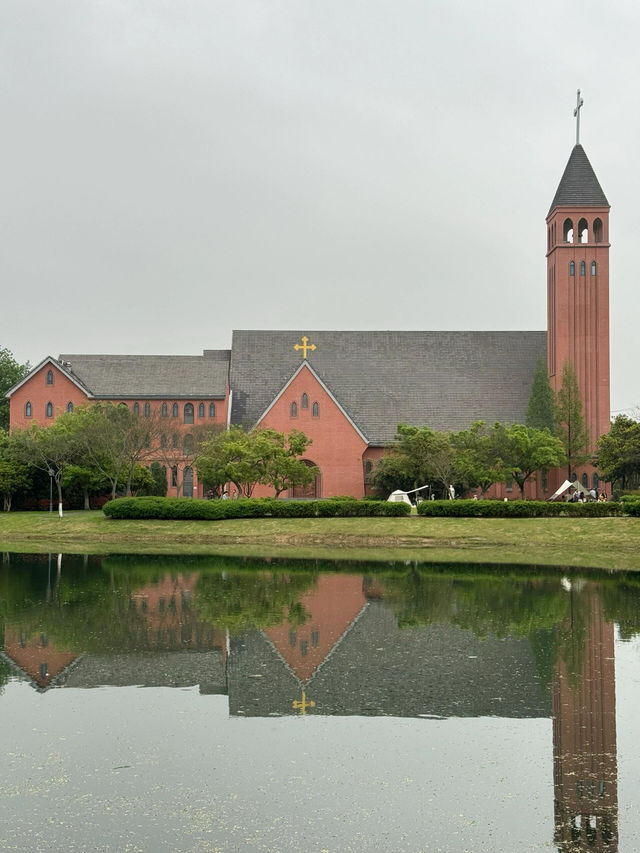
(339,651)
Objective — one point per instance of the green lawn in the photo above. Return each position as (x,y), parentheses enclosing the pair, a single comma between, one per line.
(610,543)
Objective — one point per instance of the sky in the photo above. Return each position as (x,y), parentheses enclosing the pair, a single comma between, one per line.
(173,169)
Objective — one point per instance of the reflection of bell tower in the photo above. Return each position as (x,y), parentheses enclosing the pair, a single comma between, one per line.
(585,773)
(578,287)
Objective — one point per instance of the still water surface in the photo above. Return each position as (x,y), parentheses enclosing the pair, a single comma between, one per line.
(220,704)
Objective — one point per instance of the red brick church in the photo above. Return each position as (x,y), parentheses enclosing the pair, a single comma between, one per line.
(348,391)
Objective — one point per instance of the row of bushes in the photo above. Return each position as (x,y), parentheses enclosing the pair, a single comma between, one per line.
(630,505)
(190,509)
(518,509)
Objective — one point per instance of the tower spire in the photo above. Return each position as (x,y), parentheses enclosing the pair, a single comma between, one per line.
(576,114)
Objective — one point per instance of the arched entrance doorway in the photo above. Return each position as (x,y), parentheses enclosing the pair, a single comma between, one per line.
(312,490)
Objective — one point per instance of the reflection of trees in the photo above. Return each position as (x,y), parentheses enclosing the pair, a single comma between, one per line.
(101,606)
(553,615)
(239,601)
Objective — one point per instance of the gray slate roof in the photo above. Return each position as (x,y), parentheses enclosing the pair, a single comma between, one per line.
(445,380)
(579,186)
(130,376)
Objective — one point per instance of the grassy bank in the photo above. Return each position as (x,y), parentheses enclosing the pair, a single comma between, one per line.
(610,543)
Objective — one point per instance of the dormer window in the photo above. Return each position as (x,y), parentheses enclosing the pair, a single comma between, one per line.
(49,377)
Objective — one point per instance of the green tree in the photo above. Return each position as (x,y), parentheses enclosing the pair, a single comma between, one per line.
(113,440)
(541,409)
(618,453)
(87,480)
(283,467)
(478,463)
(248,458)
(524,450)
(15,474)
(159,475)
(51,449)
(10,374)
(570,425)
(393,471)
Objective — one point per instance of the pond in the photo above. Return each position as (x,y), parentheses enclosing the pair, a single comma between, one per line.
(227,704)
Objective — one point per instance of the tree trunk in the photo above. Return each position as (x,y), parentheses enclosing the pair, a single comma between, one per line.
(58,480)
(86,499)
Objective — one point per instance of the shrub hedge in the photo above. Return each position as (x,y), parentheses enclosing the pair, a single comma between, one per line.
(216,510)
(630,505)
(518,509)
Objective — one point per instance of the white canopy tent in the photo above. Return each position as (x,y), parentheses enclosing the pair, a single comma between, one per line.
(569,485)
(403,497)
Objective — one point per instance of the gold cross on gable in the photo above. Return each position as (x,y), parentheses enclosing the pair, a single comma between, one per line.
(302,705)
(304,346)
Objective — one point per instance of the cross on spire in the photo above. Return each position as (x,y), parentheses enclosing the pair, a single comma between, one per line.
(576,115)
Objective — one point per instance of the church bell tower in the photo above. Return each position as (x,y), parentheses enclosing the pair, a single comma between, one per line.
(578,286)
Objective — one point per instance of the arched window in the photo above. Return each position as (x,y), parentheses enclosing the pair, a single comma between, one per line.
(163,440)
(174,440)
(174,475)
(596,481)
(294,410)
(574,477)
(597,230)
(585,480)
(49,410)
(174,410)
(187,444)
(200,410)
(212,410)
(69,406)
(304,402)
(594,268)
(583,231)
(49,377)
(188,413)
(315,410)
(567,231)
(165,410)
(572,267)
(583,268)
(27,409)
(136,408)
(147,410)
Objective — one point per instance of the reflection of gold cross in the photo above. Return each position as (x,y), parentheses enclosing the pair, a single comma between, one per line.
(304,346)
(302,705)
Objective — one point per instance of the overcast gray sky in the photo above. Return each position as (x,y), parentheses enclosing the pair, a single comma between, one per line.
(174,169)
